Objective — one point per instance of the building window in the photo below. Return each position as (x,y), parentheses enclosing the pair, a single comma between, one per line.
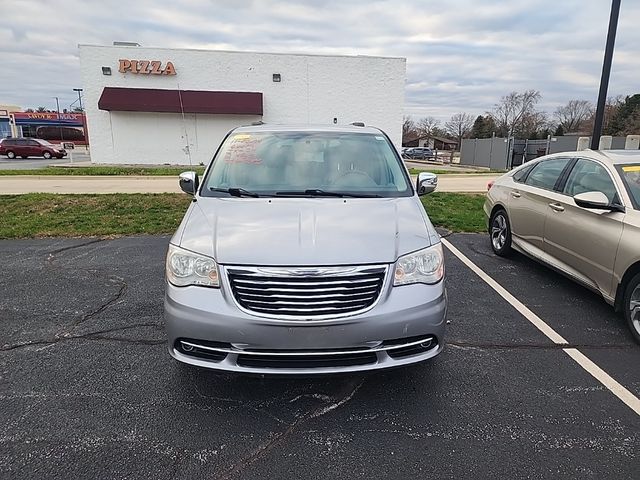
(276,77)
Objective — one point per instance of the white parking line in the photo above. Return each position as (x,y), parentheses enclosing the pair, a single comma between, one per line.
(596,372)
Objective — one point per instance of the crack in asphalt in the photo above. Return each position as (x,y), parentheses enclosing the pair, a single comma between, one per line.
(541,346)
(99,335)
(263,449)
(121,292)
(52,253)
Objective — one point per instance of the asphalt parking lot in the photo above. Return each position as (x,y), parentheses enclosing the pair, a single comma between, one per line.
(87,389)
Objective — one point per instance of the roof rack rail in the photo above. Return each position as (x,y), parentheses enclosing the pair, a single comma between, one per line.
(259,122)
(357,124)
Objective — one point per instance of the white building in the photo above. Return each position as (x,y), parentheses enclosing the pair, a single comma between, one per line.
(146,105)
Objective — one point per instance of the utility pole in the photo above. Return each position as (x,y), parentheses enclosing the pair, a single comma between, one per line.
(59,125)
(84,127)
(606,71)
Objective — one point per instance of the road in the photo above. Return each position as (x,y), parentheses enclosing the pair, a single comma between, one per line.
(88,389)
(79,156)
(85,184)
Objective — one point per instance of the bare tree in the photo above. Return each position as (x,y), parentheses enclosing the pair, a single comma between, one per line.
(573,116)
(509,112)
(533,125)
(459,126)
(427,126)
(408,125)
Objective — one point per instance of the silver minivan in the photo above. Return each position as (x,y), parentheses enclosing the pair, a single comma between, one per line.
(305,250)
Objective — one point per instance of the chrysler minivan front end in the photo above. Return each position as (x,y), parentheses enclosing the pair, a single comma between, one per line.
(305,250)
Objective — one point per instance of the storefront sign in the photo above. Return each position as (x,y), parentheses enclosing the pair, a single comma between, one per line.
(146,67)
(49,116)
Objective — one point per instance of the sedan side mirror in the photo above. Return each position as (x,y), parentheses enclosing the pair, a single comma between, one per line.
(189,182)
(426,183)
(596,200)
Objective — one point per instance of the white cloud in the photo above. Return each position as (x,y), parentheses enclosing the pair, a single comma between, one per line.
(462,55)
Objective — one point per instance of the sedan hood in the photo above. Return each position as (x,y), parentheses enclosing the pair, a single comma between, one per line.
(305,231)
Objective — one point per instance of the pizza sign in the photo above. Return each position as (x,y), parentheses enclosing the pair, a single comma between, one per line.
(146,67)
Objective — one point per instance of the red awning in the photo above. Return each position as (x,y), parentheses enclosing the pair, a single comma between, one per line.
(168,101)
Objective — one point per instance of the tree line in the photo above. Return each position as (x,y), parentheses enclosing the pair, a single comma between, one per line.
(517,115)
(45,110)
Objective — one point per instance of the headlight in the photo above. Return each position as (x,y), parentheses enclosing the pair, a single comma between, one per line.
(187,268)
(423,266)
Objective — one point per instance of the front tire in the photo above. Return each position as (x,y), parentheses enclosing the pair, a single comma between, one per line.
(47,155)
(500,233)
(631,306)
(11,154)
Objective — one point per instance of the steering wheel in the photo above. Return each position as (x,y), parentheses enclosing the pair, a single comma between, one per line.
(363,175)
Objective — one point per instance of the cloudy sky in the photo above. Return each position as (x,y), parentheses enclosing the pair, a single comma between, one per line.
(462,55)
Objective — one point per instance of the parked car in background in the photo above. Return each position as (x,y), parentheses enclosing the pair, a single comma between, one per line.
(30,147)
(306,250)
(421,153)
(578,212)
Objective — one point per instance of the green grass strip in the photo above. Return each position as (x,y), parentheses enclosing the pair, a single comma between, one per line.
(53,215)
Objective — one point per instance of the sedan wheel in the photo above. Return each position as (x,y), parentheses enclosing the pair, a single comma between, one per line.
(633,306)
(500,233)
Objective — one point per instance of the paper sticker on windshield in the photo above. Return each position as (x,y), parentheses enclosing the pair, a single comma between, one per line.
(378,137)
(243,151)
(241,136)
(632,168)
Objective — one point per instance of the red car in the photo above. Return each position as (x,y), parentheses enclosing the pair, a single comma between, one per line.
(30,147)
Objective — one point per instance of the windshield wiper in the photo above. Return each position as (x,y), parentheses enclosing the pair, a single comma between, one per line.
(235,192)
(317,192)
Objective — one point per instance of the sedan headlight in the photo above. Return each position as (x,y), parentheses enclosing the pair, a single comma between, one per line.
(188,268)
(423,266)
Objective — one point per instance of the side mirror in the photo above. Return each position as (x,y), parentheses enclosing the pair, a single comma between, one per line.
(596,200)
(426,183)
(189,182)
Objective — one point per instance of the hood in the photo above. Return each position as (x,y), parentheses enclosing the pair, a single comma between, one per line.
(306,231)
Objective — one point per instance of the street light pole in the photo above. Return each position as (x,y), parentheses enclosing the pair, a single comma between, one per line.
(79,97)
(606,71)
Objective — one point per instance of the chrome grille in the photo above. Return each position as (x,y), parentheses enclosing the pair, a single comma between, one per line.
(327,292)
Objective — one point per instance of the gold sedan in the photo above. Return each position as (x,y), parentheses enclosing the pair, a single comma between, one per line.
(579,213)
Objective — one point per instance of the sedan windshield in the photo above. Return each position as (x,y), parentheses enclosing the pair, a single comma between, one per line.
(631,176)
(306,164)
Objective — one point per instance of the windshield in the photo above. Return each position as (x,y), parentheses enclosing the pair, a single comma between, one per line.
(43,142)
(631,176)
(306,163)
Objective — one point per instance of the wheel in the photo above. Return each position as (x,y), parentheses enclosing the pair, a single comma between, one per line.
(11,154)
(500,231)
(47,155)
(632,306)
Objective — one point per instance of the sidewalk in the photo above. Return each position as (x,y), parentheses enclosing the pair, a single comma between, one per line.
(85,184)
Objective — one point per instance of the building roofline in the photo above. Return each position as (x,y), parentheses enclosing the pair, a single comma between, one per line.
(251,52)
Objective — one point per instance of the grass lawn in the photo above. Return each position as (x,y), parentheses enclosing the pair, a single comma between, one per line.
(459,212)
(154,171)
(53,215)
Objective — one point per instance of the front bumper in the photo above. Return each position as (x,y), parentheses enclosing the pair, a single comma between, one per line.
(405,326)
